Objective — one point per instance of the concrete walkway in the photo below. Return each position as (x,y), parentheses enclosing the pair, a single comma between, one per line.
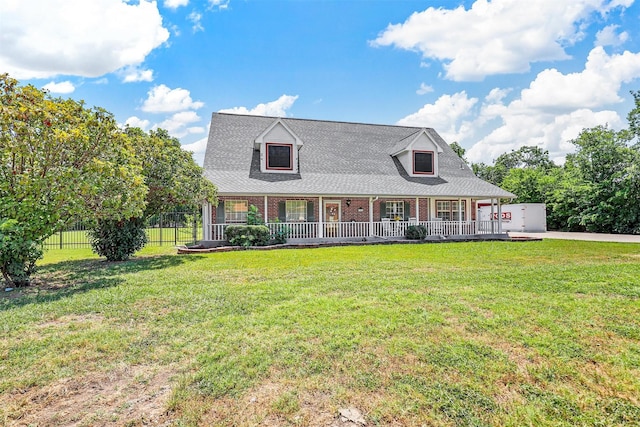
(594,237)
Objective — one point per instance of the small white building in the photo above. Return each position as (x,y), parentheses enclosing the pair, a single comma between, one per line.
(525,217)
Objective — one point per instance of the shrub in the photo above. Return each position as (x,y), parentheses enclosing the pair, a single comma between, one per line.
(118,240)
(281,233)
(253,216)
(415,232)
(247,235)
(18,253)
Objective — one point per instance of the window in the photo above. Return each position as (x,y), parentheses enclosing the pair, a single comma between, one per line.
(394,210)
(423,162)
(235,210)
(280,156)
(448,210)
(296,210)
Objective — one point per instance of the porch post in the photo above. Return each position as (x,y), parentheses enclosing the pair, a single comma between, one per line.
(320,218)
(499,217)
(266,210)
(371,230)
(459,216)
(206,221)
(493,231)
(417,210)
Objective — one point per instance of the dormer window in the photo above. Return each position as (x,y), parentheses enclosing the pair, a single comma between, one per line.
(418,153)
(423,162)
(279,149)
(279,156)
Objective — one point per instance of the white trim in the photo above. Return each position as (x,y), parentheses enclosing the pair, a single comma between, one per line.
(266,210)
(278,121)
(337,224)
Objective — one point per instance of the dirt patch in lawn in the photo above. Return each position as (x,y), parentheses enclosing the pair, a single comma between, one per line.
(132,396)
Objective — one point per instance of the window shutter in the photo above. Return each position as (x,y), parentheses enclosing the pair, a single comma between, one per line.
(311,214)
(220,213)
(407,211)
(383,208)
(282,211)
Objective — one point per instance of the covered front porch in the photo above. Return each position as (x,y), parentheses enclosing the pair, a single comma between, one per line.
(362,230)
(342,218)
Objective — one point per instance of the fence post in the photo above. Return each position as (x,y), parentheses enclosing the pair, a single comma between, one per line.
(175,228)
(195,227)
(60,239)
(161,227)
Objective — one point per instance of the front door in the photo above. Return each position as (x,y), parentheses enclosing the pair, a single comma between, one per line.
(332,218)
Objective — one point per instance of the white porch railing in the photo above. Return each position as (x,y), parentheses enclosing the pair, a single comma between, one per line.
(310,230)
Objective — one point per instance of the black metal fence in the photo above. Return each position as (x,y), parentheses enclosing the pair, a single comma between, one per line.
(166,229)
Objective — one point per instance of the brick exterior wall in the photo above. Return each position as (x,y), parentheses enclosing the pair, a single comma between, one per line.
(425,215)
(349,213)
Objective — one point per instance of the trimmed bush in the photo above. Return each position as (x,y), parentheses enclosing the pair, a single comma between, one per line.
(118,240)
(247,235)
(281,233)
(18,253)
(415,232)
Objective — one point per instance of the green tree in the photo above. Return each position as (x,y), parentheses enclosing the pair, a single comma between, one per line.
(608,168)
(59,161)
(174,181)
(527,157)
(457,148)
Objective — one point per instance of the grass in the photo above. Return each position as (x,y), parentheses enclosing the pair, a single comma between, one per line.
(466,334)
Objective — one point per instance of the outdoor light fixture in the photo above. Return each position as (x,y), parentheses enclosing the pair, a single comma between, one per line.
(348,202)
(360,209)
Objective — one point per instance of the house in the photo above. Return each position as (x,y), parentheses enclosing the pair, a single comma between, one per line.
(328,179)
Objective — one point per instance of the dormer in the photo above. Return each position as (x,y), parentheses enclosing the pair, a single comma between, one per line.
(418,154)
(278,147)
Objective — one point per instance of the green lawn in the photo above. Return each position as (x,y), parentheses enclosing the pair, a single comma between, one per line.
(462,334)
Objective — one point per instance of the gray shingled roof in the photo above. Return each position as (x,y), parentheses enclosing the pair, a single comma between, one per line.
(349,159)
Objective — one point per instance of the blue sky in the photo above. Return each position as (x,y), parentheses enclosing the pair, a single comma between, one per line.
(491,75)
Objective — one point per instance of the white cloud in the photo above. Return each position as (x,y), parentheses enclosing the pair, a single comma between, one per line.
(162,99)
(62,87)
(445,116)
(424,89)
(196,19)
(135,74)
(497,95)
(219,4)
(45,38)
(497,37)
(597,85)
(199,147)
(556,107)
(177,124)
(608,36)
(136,122)
(276,108)
(548,131)
(174,4)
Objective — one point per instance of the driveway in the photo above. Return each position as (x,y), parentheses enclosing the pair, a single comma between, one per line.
(594,237)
